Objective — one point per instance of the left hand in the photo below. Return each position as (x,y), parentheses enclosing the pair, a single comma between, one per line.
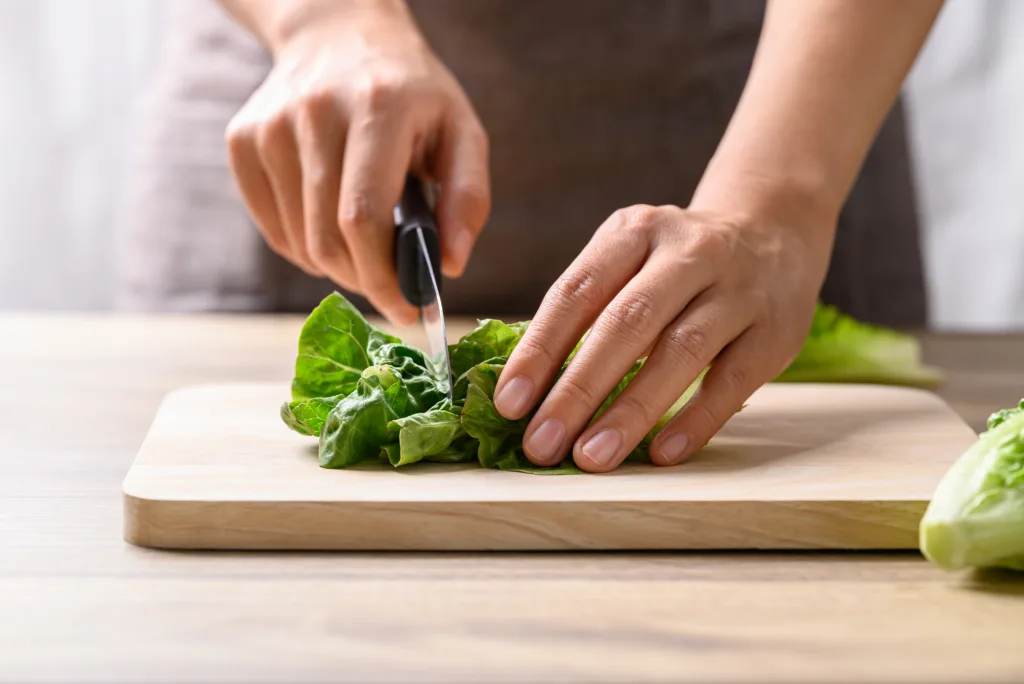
(692,288)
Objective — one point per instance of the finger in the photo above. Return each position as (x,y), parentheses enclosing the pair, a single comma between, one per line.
(735,375)
(254,187)
(637,316)
(378,150)
(275,143)
(683,350)
(465,200)
(321,141)
(613,256)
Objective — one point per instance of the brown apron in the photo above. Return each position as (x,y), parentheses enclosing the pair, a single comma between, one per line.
(591,105)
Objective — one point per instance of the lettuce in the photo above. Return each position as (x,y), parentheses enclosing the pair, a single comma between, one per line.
(976,515)
(839,348)
(371,399)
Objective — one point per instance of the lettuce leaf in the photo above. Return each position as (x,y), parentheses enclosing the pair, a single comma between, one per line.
(976,515)
(335,345)
(436,435)
(356,430)
(839,348)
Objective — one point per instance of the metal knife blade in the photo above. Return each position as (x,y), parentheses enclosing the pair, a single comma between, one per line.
(432,316)
(417,256)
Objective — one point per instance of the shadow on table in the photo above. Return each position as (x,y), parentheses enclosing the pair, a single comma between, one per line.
(997,581)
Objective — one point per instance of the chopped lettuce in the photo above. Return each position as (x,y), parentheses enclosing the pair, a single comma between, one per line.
(840,348)
(976,515)
(371,399)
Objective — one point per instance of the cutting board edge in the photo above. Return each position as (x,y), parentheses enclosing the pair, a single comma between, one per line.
(522,526)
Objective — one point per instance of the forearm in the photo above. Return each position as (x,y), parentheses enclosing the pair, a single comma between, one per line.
(825,75)
(275,22)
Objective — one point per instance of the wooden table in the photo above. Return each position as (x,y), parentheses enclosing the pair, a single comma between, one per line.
(77,394)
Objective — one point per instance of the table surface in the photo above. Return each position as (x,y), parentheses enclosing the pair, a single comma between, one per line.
(78,604)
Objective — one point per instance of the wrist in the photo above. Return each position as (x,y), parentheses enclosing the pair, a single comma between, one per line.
(803,203)
(295,20)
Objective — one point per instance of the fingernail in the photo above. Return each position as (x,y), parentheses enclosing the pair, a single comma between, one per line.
(514,399)
(673,449)
(546,441)
(602,447)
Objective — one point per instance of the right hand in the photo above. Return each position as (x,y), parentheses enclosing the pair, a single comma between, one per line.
(321,151)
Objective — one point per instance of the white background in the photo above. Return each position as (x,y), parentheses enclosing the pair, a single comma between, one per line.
(72,73)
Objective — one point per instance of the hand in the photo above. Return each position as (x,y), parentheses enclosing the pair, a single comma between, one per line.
(320,152)
(692,288)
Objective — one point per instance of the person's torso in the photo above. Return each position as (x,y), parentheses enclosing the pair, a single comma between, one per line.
(593,105)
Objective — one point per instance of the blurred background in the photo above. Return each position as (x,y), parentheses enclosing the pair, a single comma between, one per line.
(75,75)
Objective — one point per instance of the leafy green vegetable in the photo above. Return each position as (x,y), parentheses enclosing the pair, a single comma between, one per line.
(410,364)
(356,430)
(436,435)
(369,398)
(491,341)
(307,416)
(976,516)
(840,348)
(500,439)
(334,347)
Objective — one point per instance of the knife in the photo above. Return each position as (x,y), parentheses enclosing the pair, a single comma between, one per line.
(418,263)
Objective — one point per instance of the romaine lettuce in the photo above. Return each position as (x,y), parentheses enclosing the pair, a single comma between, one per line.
(839,348)
(976,515)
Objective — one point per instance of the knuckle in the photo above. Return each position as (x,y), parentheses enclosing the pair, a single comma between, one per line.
(357,214)
(533,351)
(378,92)
(577,390)
(700,413)
(710,242)
(635,411)
(637,218)
(577,287)
(238,134)
(686,343)
(314,109)
(273,132)
(736,377)
(323,251)
(631,312)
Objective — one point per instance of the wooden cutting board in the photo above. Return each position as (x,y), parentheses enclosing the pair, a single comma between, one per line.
(802,467)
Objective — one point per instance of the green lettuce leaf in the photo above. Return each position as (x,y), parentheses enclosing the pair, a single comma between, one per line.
(307,416)
(839,348)
(334,347)
(410,364)
(490,340)
(499,438)
(976,515)
(356,430)
(436,435)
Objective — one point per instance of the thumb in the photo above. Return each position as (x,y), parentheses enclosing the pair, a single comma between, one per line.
(464,202)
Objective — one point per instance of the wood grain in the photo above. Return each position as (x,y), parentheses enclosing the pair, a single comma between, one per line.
(78,604)
(802,466)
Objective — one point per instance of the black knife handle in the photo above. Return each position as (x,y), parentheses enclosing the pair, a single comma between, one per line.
(413,212)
